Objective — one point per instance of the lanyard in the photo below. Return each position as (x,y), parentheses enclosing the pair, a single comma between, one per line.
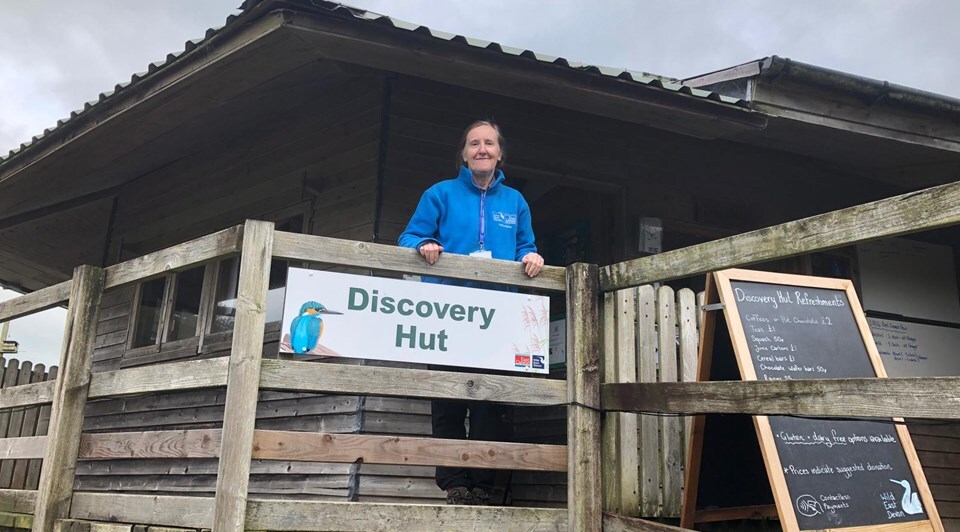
(483,222)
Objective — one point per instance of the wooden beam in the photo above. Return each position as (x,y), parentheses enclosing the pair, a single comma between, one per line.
(23,447)
(309,515)
(199,443)
(401,450)
(162,510)
(910,397)
(34,302)
(413,383)
(37,393)
(583,393)
(16,521)
(382,257)
(76,525)
(622,523)
(69,398)
(189,375)
(19,501)
(908,213)
(197,512)
(243,377)
(217,245)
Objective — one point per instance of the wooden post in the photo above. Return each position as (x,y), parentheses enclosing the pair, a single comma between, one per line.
(583,392)
(243,377)
(69,399)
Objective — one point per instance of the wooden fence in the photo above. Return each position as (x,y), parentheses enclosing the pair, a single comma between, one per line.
(244,374)
(22,422)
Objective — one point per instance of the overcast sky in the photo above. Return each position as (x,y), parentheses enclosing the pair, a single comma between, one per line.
(56,55)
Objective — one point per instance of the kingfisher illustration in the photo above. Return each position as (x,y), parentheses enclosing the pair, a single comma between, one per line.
(307,327)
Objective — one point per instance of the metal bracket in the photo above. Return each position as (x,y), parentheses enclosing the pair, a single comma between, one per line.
(713,306)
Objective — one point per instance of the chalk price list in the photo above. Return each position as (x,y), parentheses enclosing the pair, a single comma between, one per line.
(775,357)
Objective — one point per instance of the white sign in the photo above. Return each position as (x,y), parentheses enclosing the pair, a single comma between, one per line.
(336,314)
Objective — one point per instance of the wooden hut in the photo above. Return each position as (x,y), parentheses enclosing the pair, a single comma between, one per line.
(330,120)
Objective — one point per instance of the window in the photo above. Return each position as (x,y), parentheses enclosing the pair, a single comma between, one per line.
(180,309)
(172,300)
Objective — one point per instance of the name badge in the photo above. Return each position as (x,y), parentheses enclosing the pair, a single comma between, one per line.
(482,253)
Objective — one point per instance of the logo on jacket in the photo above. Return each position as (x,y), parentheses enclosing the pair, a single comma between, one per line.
(505,219)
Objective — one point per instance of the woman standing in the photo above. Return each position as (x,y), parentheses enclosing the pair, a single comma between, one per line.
(474,214)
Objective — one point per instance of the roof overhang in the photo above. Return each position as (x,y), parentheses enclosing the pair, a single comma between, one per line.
(888,132)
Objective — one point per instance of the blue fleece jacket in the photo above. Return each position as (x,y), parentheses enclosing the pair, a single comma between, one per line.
(449,213)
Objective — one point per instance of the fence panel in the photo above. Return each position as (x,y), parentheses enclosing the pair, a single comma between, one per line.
(22,421)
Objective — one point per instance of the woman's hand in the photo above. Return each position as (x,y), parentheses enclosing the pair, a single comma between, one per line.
(532,264)
(431,252)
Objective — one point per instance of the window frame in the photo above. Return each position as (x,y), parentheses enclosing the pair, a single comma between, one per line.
(203,339)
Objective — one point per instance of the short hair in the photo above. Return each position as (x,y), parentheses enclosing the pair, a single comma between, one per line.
(463,142)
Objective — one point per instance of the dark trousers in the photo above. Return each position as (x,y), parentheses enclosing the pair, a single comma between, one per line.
(486,422)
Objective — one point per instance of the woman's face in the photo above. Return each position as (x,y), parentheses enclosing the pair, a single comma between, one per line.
(482,152)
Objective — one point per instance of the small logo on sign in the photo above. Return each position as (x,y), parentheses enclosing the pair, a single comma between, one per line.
(808,506)
(537,361)
(521,361)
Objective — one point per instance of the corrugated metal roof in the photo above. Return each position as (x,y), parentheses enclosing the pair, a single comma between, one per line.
(644,78)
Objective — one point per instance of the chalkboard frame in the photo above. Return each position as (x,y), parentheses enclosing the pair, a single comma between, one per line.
(719,290)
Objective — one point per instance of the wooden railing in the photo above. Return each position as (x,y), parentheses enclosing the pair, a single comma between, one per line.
(244,373)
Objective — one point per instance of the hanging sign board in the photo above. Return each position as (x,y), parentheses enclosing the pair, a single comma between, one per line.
(823,473)
(336,314)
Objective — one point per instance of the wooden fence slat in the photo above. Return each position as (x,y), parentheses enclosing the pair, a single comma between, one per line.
(43,422)
(15,426)
(650,493)
(322,249)
(11,373)
(583,383)
(610,452)
(197,443)
(412,383)
(626,312)
(689,343)
(243,378)
(30,415)
(912,212)
(913,397)
(70,398)
(670,443)
(36,301)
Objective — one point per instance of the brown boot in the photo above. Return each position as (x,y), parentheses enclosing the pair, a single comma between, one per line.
(459,495)
(480,497)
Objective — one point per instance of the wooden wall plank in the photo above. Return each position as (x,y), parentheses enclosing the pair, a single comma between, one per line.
(671,451)
(151,444)
(931,208)
(916,397)
(70,398)
(415,383)
(649,448)
(583,386)
(243,378)
(391,258)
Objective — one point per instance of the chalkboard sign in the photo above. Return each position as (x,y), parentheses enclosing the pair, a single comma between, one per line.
(824,473)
